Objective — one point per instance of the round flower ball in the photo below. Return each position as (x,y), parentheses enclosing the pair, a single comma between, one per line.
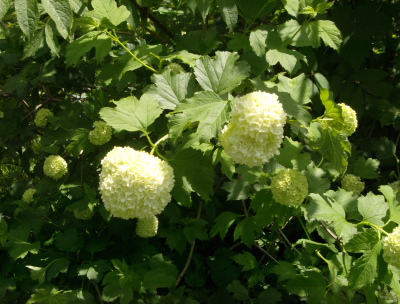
(27,197)
(41,117)
(55,166)
(255,130)
(147,227)
(101,133)
(352,183)
(289,187)
(135,184)
(175,68)
(84,215)
(349,123)
(391,248)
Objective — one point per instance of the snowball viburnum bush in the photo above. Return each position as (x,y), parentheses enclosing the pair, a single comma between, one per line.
(101,133)
(352,183)
(41,117)
(289,187)
(255,130)
(391,248)
(55,166)
(349,124)
(27,197)
(135,184)
(147,227)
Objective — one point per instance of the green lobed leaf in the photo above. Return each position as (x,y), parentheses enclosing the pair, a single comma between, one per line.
(21,249)
(37,273)
(81,143)
(270,296)
(238,290)
(221,75)
(50,296)
(51,38)
(292,6)
(184,56)
(229,12)
(238,190)
(4,6)
(69,240)
(61,13)
(258,39)
(34,44)
(205,107)
(284,270)
(373,208)
(109,10)
(162,273)
(317,183)
(132,114)
(288,59)
(346,199)
(297,88)
(6,284)
(309,283)
(55,267)
(247,260)
(195,230)
(27,16)
(227,162)
(94,270)
(387,191)
(328,32)
(82,45)
(247,230)
(223,222)
(295,34)
(290,155)
(366,168)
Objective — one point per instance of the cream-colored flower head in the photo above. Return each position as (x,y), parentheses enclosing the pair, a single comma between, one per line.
(135,184)
(41,117)
(289,187)
(27,197)
(55,166)
(396,188)
(349,123)
(83,215)
(101,133)
(147,227)
(391,248)
(255,130)
(352,183)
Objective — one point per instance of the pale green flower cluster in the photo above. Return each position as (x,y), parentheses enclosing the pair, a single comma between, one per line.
(349,124)
(27,197)
(255,130)
(175,68)
(55,166)
(289,187)
(135,184)
(147,227)
(396,188)
(101,133)
(83,215)
(41,117)
(391,248)
(352,183)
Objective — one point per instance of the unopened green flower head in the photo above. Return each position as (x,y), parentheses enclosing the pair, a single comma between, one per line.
(36,144)
(352,183)
(135,184)
(147,227)
(255,130)
(349,123)
(396,188)
(84,215)
(41,117)
(289,187)
(391,248)
(175,68)
(101,133)
(55,166)
(27,197)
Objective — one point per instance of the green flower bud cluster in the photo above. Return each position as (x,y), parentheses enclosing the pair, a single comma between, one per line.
(175,68)
(391,248)
(27,197)
(396,188)
(101,133)
(349,123)
(352,183)
(147,227)
(289,187)
(84,215)
(55,166)
(41,117)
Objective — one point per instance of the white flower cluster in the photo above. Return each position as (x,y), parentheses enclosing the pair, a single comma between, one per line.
(255,130)
(289,187)
(101,133)
(135,184)
(349,124)
(396,188)
(147,227)
(391,248)
(27,197)
(55,166)
(41,117)
(352,183)
(83,215)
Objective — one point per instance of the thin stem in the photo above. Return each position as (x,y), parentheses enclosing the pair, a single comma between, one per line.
(245,209)
(259,12)
(234,246)
(304,228)
(378,228)
(266,253)
(97,291)
(325,260)
(287,241)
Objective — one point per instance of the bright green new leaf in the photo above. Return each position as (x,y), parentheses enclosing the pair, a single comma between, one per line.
(329,210)
(247,230)
(327,31)
(4,6)
(373,208)
(229,12)
(292,6)
(258,39)
(84,44)
(27,16)
(132,114)
(109,10)
(21,249)
(205,107)
(289,59)
(81,143)
(221,75)
(227,163)
(309,283)
(296,87)
(61,13)
(366,168)
(224,221)
(317,183)
(170,90)
(290,155)
(247,260)
(295,34)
